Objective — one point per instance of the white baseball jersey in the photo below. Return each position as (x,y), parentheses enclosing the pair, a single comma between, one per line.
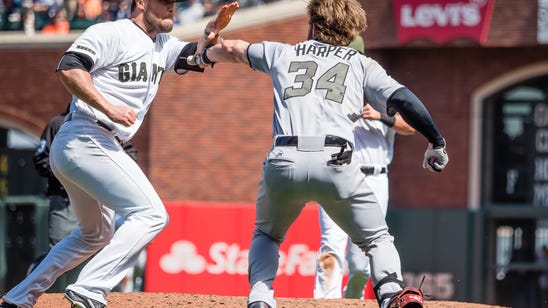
(124,59)
(99,177)
(333,89)
(374,148)
(374,143)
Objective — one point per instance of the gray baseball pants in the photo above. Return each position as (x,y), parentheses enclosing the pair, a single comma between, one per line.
(294,175)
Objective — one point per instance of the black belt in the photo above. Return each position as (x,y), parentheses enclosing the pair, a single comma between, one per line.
(330,141)
(341,158)
(105,126)
(101,124)
(371,170)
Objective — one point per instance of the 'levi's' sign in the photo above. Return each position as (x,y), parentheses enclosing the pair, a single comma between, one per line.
(442,20)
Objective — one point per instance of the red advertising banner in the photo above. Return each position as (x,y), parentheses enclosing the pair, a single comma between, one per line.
(204,248)
(442,20)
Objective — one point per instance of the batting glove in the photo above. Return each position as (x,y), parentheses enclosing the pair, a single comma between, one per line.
(435,159)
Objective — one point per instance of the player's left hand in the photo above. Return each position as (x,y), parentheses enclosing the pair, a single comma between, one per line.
(212,31)
(435,159)
(369,113)
(214,26)
(224,15)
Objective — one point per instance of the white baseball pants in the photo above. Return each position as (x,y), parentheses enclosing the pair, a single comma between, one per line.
(100,179)
(336,247)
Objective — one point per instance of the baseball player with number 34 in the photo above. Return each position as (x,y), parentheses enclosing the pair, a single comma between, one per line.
(113,70)
(319,87)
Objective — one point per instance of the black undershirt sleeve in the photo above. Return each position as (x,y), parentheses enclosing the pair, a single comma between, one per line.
(414,112)
(72,60)
(181,65)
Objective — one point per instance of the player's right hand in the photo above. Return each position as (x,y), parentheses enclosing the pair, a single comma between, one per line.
(124,115)
(435,159)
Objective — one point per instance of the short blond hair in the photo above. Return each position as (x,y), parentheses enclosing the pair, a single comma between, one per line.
(336,22)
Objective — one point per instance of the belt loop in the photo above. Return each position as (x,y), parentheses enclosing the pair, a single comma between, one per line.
(377,170)
(374,170)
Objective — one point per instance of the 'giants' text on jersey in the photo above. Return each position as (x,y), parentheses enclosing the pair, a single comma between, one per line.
(138,72)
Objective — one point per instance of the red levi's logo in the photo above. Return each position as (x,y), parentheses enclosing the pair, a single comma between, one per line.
(442,20)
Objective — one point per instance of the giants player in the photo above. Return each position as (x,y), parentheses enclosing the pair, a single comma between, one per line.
(113,70)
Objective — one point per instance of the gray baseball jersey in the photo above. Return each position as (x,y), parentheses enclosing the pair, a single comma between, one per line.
(319,90)
(327,83)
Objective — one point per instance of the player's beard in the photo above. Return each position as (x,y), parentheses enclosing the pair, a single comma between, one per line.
(161,25)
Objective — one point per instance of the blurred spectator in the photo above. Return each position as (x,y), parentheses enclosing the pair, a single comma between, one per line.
(107,11)
(190,11)
(90,9)
(48,9)
(124,9)
(29,15)
(71,7)
(42,13)
(11,17)
(115,10)
(250,3)
(58,24)
(209,8)
(35,15)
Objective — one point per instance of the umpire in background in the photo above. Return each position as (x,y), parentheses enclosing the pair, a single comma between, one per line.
(61,220)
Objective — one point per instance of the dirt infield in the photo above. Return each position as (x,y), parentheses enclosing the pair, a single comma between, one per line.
(167,300)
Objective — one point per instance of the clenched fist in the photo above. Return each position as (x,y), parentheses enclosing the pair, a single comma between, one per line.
(435,159)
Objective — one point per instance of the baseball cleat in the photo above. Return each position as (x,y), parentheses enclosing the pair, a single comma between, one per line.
(258,305)
(80,301)
(406,298)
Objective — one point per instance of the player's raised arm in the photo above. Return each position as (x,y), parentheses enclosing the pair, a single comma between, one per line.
(214,26)
(190,58)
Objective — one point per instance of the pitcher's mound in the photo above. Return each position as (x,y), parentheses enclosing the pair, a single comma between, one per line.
(168,300)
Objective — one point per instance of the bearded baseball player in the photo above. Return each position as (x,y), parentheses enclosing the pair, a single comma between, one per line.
(319,87)
(374,136)
(113,70)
